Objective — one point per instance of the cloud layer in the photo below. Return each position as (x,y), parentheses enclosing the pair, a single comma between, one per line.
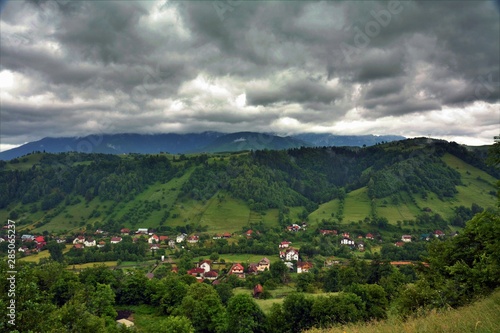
(381,67)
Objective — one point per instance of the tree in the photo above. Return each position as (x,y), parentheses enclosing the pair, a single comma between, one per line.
(171,324)
(55,250)
(375,300)
(297,309)
(244,315)
(204,308)
(101,302)
(279,271)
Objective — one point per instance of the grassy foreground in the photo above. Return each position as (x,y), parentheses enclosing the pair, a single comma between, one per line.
(481,317)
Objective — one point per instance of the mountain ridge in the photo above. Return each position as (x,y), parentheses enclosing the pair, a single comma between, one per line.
(175,143)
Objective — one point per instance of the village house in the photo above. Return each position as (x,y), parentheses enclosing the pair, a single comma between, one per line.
(439,233)
(257,291)
(303,267)
(79,240)
(101,244)
(206,265)
(153,239)
(125,231)
(252,269)
(238,270)
(284,244)
(79,246)
(181,238)
(289,254)
(406,238)
(115,240)
(164,239)
(40,240)
(331,261)
(154,247)
(360,246)
(171,244)
(27,238)
(264,264)
(193,239)
(347,241)
(196,272)
(90,242)
(143,231)
(211,275)
(249,233)
(325,232)
(23,249)
(293,228)
(399,244)
(369,236)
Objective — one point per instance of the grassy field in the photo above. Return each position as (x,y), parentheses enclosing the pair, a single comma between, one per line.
(357,205)
(92,264)
(42,255)
(278,296)
(480,317)
(225,215)
(324,212)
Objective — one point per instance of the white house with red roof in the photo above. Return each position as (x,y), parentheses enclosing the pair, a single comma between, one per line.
(90,242)
(206,265)
(237,269)
(406,238)
(369,236)
(153,239)
(289,254)
(284,244)
(193,239)
(115,240)
(79,240)
(438,233)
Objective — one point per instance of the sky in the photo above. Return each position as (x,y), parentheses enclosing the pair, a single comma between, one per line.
(411,68)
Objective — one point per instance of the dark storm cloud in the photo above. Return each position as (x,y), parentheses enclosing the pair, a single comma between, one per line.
(190,65)
(301,91)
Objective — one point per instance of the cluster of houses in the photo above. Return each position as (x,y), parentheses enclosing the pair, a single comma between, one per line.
(153,240)
(424,237)
(38,241)
(289,255)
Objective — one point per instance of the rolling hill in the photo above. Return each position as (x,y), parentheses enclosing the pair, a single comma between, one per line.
(402,182)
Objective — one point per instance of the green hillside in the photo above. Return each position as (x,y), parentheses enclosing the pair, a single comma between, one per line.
(397,181)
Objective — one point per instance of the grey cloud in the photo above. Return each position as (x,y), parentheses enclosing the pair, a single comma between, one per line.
(116,58)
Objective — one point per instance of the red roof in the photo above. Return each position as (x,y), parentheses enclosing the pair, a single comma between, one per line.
(236,267)
(226,235)
(196,271)
(211,274)
(163,238)
(40,239)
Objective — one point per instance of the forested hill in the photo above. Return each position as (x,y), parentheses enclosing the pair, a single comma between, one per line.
(413,175)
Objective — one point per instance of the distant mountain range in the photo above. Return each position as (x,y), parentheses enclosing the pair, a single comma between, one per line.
(190,143)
